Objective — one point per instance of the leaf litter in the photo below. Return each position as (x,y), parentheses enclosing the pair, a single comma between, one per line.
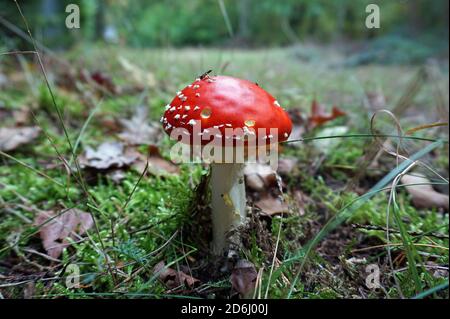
(56,231)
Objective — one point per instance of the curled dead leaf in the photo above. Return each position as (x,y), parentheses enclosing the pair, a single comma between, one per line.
(13,137)
(271,205)
(172,278)
(138,130)
(243,278)
(56,229)
(108,155)
(424,196)
(157,165)
(319,116)
(259,176)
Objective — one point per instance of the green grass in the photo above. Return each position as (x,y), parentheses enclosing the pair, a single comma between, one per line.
(159,206)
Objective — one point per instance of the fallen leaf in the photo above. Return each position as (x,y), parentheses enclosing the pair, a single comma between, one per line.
(104,80)
(141,78)
(13,137)
(100,80)
(108,155)
(243,278)
(271,205)
(424,196)
(172,278)
(55,230)
(157,165)
(327,145)
(259,176)
(319,116)
(138,130)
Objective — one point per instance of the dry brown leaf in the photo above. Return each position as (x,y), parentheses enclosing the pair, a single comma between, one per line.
(243,278)
(319,116)
(104,81)
(259,176)
(424,196)
(157,165)
(57,229)
(99,80)
(13,137)
(271,205)
(172,278)
(138,130)
(108,155)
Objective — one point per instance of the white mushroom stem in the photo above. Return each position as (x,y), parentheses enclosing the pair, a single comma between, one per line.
(228,202)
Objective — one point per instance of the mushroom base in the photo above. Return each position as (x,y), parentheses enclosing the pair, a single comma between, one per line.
(228,202)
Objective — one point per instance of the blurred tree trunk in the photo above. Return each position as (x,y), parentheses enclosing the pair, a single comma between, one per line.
(49,9)
(100,20)
(244,15)
(415,16)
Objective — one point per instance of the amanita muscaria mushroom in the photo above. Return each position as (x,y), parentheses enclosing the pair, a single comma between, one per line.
(231,114)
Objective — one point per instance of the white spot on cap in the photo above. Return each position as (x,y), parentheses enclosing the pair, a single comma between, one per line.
(168,107)
(184,116)
(286,134)
(176,117)
(197,94)
(196,108)
(276,103)
(192,122)
(172,109)
(187,107)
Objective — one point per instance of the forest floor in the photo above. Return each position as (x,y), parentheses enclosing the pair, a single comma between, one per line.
(77,156)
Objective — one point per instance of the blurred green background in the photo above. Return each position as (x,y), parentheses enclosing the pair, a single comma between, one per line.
(411,30)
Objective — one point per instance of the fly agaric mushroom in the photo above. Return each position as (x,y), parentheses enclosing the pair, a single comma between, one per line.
(230,112)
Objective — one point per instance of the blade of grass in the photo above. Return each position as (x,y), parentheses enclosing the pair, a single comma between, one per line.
(83,129)
(368,135)
(38,172)
(226,18)
(431,291)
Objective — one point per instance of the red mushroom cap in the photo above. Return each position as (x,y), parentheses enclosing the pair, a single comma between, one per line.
(224,102)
